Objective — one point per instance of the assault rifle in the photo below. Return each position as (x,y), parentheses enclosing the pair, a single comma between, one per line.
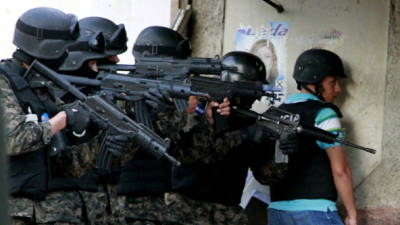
(281,121)
(116,120)
(132,89)
(170,67)
(127,88)
(218,90)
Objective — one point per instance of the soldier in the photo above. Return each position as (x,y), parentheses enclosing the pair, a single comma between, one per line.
(33,119)
(210,188)
(100,42)
(207,189)
(144,180)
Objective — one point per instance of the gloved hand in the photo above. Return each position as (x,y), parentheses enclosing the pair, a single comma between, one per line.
(116,144)
(256,133)
(157,99)
(78,118)
(96,122)
(288,142)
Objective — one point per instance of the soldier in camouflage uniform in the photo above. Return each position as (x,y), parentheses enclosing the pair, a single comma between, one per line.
(159,198)
(29,136)
(100,41)
(208,191)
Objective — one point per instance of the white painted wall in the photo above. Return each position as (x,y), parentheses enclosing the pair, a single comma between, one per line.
(134,14)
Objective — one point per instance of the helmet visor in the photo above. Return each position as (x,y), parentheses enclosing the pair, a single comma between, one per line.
(118,39)
(93,43)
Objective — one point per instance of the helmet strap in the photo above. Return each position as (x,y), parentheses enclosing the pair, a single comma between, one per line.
(22,56)
(317,91)
(28,59)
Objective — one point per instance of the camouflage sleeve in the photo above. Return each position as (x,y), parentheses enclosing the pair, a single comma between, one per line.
(75,161)
(80,159)
(264,168)
(193,139)
(170,124)
(22,137)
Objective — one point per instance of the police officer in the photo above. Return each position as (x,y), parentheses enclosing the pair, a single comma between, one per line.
(317,171)
(99,43)
(33,118)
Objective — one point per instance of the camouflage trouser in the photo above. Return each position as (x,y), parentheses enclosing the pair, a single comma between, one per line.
(25,221)
(175,209)
(21,221)
(140,210)
(57,209)
(204,213)
(97,206)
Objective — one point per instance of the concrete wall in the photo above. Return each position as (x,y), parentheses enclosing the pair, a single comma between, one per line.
(361,42)
(134,14)
(206,27)
(379,195)
(357,30)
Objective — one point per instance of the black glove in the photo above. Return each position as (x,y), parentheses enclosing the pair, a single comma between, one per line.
(96,122)
(256,133)
(158,100)
(288,142)
(116,144)
(78,118)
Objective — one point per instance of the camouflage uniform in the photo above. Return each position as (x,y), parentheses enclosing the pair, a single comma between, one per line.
(176,209)
(198,143)
(149,209)
(22,137)
(203,146)
(193,141)
(203,213)
(102,207)
(269,172)
(80,162)
(65,207)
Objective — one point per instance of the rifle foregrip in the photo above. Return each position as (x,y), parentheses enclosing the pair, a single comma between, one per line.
(329,137)
(320,135)
(220,122)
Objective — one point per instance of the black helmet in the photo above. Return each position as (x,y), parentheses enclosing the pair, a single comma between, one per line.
(248,67)
(313,65)
(161,41)
(115,35)
(45,33)
(99,38)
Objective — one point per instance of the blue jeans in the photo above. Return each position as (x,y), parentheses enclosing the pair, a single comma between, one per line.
(282,217)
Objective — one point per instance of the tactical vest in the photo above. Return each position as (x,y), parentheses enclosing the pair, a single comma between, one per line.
(309,173)
(144,175)
(28,172)
(222,182)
